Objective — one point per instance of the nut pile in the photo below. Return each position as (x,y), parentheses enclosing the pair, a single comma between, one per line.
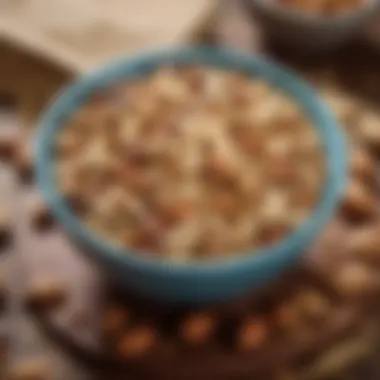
(323,7)
(191,162)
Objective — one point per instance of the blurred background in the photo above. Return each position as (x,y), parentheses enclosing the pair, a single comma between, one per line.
(44,44)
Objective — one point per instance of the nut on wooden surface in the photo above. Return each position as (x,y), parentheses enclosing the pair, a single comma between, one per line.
(137,342)
(198,328)
(252,334)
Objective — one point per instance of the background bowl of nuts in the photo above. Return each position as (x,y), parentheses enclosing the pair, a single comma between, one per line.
(192,174)
(312,26)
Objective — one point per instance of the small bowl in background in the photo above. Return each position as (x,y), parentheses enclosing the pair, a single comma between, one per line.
(307,32)
(198,281)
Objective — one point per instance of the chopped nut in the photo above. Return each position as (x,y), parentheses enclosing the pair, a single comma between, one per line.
(355,279)
(30,370)
(137,342)
(114,319)
(39,214)
(361,164)
(253,334)
(22,160)
(45,295)
(7,147)
(358,201)
(198,328)
(364,244)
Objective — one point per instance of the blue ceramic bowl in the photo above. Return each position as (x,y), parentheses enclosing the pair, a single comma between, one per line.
(204,281)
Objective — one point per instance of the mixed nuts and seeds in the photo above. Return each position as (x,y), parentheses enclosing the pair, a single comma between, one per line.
(191,162)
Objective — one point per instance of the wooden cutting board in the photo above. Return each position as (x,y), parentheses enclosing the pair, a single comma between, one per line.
(80,34)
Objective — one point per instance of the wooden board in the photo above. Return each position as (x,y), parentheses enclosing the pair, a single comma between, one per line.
(81,34)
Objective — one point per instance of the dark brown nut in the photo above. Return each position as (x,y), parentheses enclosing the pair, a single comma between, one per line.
(137,342)
(355,279)
(198,328)
(114,319)
(365,244)
(41,217)
(358,202)
(45,295)
(7,147)
(22,159)
(35,369)
(5,225)
(313,304)
(252,334)
(361,164)
(288,317)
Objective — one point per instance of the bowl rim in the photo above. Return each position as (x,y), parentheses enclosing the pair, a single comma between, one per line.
(70,98)
(315,20)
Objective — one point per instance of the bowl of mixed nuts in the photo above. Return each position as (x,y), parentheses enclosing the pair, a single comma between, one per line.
(313,26)
(193,174)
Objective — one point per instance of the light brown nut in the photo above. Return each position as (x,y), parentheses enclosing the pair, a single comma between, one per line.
(40,215)
(358,201)
(45,295)
(355,279)
(33,369)
(252,334)
(198,328)
(137,342)
(364,244)
(114,319)
(361,164)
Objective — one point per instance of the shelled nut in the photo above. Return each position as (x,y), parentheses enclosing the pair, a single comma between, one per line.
(252,334)
(355,279)
(364,244)
(41,217)
(45,294)
(22,159)
(7,146)
(361,164)
(35,369)
(197,328)
(137,342)
(358,201)
(114,319)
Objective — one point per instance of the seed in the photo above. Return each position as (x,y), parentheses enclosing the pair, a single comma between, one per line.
(198,328)
(137,342)
(252,334)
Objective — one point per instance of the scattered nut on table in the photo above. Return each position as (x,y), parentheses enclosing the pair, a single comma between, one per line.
(252,334)
(45,294)
(137,342)
(198,328)
(32,369)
